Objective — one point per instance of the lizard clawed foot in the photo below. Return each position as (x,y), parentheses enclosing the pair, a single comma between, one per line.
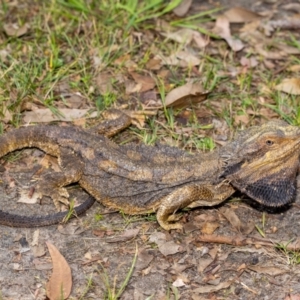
(174,218)
(57,194)
(169,226)
(166,221)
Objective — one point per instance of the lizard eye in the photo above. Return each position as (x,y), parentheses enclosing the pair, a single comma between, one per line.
(269,142)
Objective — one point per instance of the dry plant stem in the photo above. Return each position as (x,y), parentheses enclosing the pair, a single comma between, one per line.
(239,240)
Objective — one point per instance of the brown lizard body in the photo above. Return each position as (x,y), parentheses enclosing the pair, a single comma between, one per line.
(262,162)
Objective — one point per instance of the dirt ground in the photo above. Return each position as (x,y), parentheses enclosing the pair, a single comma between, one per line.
(100,246)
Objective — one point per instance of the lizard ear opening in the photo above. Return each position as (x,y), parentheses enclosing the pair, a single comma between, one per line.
(271,191)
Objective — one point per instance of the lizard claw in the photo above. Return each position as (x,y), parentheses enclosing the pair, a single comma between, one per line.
(57,194)
(174,218)
(166,222)
(169,226)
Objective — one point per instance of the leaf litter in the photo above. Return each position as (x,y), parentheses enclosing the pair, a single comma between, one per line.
(257,43)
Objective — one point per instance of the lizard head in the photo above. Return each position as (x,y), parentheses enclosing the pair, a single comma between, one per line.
(263,162)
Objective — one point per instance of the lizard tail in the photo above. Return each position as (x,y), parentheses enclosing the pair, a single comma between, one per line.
(13,220)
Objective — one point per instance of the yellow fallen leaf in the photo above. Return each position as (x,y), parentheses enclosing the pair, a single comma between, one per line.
(289,85)
(60,283)
(294,68)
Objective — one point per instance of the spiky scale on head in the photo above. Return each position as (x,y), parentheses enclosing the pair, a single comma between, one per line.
(263,162)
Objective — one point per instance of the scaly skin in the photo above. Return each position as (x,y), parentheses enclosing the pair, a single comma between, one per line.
(262,162)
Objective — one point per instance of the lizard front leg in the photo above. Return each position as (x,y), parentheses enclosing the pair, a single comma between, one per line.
(53,184)
(201,195)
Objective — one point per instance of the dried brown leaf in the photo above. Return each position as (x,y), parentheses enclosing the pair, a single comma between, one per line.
(203,263)
(127,235)
(7,116)
(242,118)
(138,118)
(190,59)
(251,34)
(289,85)
(153,64)
(205,218)
(292,6)
(126,62)
(45,115)
(292,297)
(182,8)
(41,265)
(209,227)
(150,98)
(169,248)
(104,82)
(287,49)
(273,271)
(186,95)
(38,251)
(182,36)
(165,247)
(213,252)
(241,15)
(186,36)
(294,68)
(270,26)
(132,87)
(144,259)
(223,30)
(70,228)
(60,284)
(249,62)
(158,238)
(200,40)
(233,219)
(147,82)
(15,30)
(212,288)
(269,64)
(181,59)
(178,282)
(270,54)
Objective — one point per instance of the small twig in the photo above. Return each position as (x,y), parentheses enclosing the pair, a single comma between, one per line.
(243,241)
(248,289)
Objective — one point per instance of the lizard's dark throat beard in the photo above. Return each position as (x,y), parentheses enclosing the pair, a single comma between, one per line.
(269,182)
